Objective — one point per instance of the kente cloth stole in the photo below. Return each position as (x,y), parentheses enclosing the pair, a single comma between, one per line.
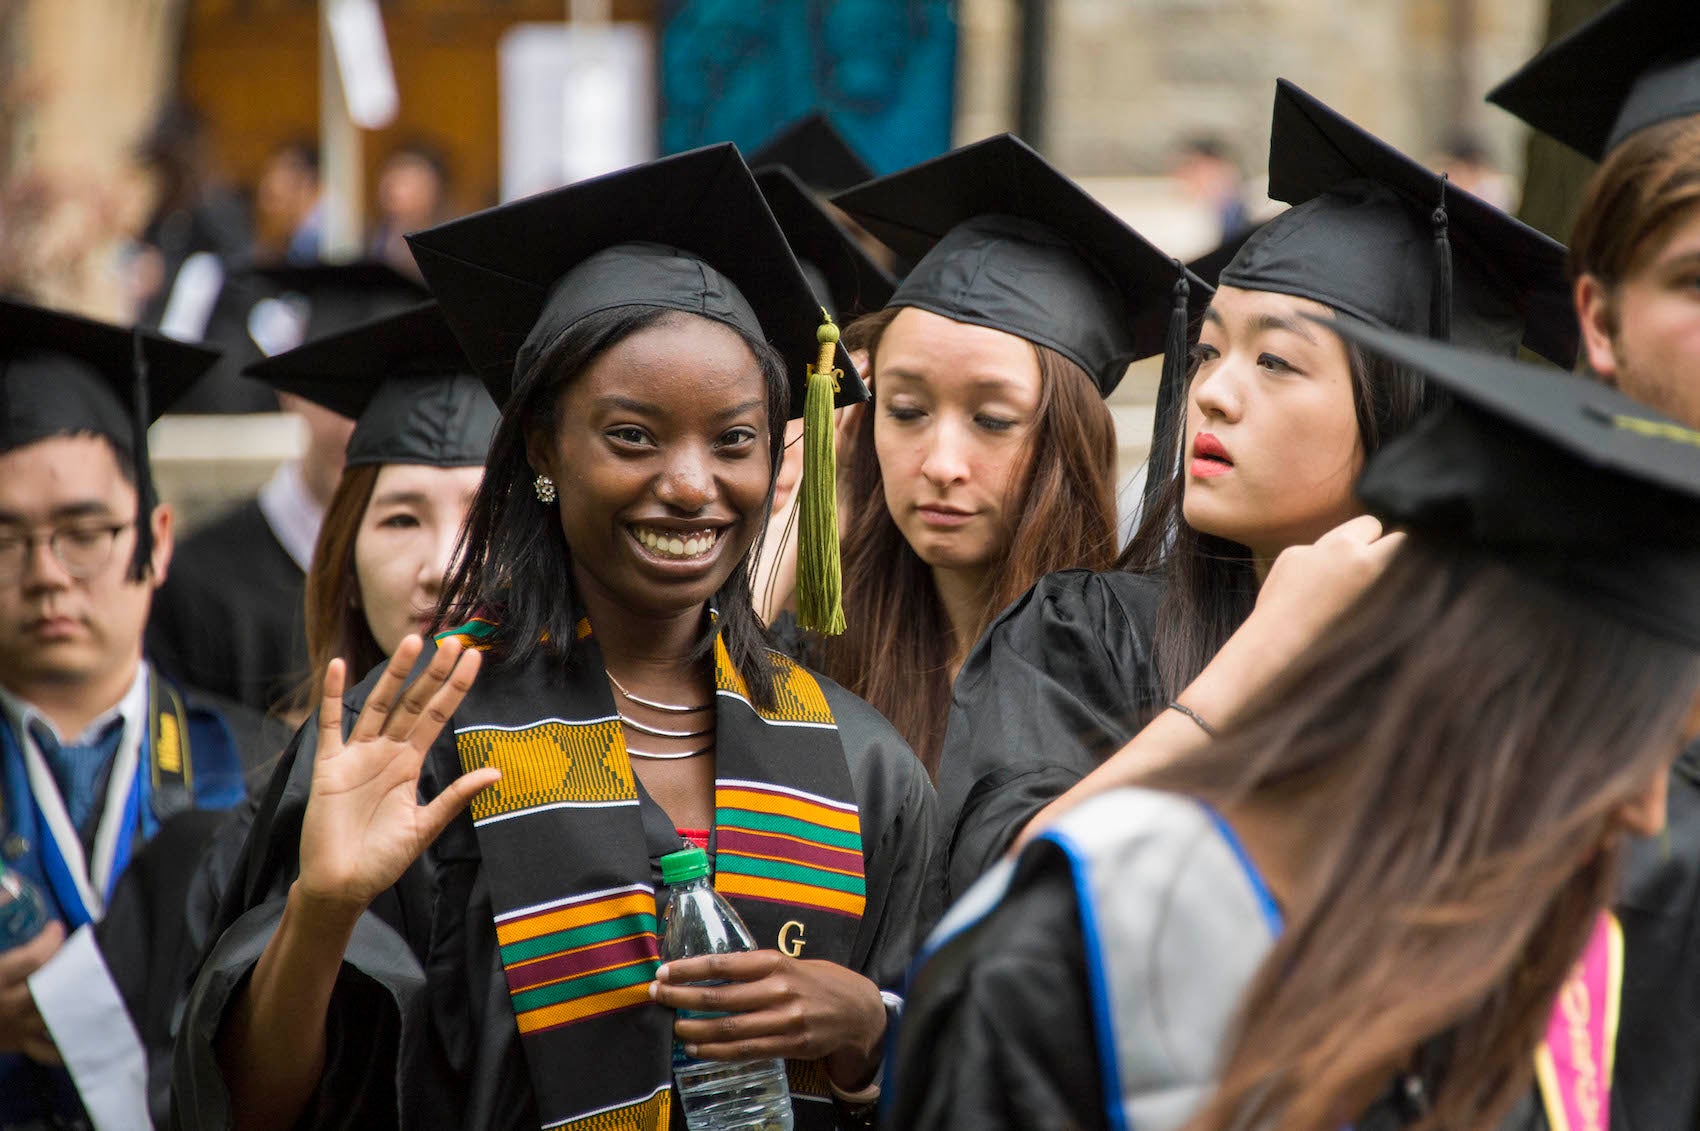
(1577,1055)
(571,877)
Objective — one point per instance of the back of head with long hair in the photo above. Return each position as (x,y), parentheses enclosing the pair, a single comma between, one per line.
(336,623)
(1459,745)
(897,650)
(514,565)
(1211,583)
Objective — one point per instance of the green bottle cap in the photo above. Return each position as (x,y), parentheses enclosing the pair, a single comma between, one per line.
(683,866)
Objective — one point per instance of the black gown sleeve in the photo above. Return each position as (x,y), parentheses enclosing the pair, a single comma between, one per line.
(900,831)
(1061,680)
(378,993)
(1657,1075)
(997,1031)
(145,940)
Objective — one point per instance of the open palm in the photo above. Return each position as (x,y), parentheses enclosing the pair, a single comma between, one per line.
(364,824)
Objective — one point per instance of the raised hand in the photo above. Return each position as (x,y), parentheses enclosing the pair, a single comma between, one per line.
(364,824)
(1309,587)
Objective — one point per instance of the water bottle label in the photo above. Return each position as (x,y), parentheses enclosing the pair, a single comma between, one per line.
(680,1057)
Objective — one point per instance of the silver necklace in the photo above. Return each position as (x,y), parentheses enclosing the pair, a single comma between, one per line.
(645,728)
(667,708)
(654,757)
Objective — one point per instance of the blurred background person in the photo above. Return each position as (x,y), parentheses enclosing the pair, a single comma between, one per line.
(230,618)
(1468,164)
(289,217)
(1205,169)
(414,192)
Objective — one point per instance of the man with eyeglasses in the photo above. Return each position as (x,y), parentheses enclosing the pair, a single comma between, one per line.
(96,752)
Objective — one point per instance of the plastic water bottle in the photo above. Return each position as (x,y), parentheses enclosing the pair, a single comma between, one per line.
(718,1095)
(23,914)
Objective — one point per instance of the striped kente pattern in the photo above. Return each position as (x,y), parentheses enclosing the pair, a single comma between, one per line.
(476,634)
(549,762)
(580,958)
(651,1114)
(797,698)
(788,846)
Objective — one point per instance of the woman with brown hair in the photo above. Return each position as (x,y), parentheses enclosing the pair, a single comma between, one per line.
(987,458)
(1255,453)
(1357,905)
(415,459)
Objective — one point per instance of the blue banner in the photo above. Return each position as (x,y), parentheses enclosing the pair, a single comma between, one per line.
(884,71)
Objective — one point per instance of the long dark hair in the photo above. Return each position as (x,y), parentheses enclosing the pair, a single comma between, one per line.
(336,625)
(514,564)
(1211,583)
(897,650)
(1460,746)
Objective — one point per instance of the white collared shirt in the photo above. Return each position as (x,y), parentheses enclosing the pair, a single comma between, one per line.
(292,513)
(131,708)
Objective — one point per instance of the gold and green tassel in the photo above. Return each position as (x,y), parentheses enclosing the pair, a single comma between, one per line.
(820,580)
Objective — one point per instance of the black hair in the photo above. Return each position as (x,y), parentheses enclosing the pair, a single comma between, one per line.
(430,154)
(514,565)
(303,152)
(1210,146)
(1210,582)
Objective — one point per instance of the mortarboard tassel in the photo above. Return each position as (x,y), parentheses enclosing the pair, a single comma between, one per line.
(1164,441)
(1440,293)
(141,562)
(820,582)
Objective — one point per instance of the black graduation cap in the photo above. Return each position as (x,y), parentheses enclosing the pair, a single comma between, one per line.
(1005,240)
(690,232)
(845,278)
(1209,265)
(1635,65)
(812,148)
(1379,236)
(1562,478)
(340,295)
(403,380)
(61,374)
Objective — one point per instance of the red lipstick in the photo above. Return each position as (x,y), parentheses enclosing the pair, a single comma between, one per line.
(1209,458)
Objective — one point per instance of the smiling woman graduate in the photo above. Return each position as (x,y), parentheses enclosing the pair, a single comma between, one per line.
(394,961)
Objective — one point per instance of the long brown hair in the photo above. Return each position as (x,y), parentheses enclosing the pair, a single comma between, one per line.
(1643,187)
(1459,744)
(896,653)
(1210,582)
(336,626)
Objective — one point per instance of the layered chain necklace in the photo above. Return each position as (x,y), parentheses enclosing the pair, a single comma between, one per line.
(671,709)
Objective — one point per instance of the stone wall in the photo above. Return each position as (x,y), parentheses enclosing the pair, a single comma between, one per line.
(1128,78)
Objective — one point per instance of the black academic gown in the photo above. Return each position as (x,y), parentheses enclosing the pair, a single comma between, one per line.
(998,1030)
(1059,682)
(1658,1042)
(229,617)
(421,1032)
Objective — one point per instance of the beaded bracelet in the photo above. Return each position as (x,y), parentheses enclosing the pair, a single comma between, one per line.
(1177,705)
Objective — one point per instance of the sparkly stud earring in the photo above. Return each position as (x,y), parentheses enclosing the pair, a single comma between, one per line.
(545,488)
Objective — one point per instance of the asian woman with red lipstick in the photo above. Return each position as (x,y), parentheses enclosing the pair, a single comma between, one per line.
(1252,539)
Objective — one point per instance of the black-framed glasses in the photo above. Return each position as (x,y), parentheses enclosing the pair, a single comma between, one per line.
(82,549)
